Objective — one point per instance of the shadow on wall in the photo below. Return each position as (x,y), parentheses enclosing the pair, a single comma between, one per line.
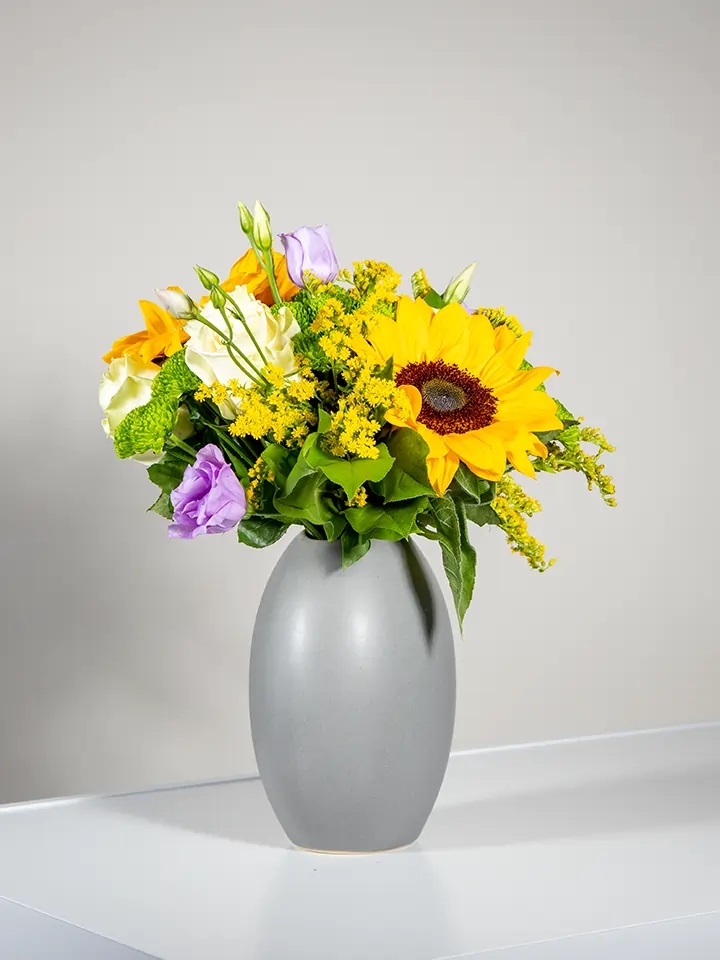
(112,675)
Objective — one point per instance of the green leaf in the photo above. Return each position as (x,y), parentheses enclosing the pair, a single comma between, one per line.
(301,467)
(408,476)
(148,427)
(458,553)
(433,298)
(260,531)
(350,474)
(306,501)
(305,465)
(354,547)
(471,489)
(387,371)
(562,412)
(324,421)
(570,437)
(334,526)
(481,514)
(280,461)
(394,522)
(168,472)
(163,506)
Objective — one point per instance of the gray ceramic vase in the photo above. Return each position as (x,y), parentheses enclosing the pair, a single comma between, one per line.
(352,695)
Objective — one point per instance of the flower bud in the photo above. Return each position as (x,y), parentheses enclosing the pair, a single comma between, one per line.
(217,297)
(246,220)
(207,278)
(261,228)
(309,249)
(177,303)
(458,288)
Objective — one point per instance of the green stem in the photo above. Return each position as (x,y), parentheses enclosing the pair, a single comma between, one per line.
(231,348)
(245,451)
(244,322)
(269,264)
(183,446)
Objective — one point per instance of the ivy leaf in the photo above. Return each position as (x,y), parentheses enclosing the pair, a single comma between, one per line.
(395,522)
(471,489)
(334,526)
(301,468)
(163,506)
(354,547)
(350,474)
(260,531)
(306,501)
(279,459)
(168,473)
(459,559)
(324,421)
(481,514)
(408,476)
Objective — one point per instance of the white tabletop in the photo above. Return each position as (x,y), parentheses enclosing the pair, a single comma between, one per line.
(526,845)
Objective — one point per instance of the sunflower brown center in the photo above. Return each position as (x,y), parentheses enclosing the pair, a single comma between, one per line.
(443,396)
(454,401)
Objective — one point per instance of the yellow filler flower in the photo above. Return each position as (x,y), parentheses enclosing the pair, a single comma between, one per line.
(468,398)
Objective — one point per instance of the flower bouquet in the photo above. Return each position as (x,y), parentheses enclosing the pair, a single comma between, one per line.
(298,394)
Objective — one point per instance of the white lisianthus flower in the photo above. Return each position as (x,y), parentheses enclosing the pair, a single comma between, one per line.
(177,303)
(207,356)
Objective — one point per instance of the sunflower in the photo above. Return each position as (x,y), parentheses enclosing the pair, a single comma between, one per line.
(466,395)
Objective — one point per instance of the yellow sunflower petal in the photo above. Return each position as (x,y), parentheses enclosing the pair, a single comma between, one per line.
(481,451)
(518,444)
(535,410)
(441,471)
(475,353)
(524,380)
(384,339)
(448,328)
(504,364)
(412,326)
(436,443)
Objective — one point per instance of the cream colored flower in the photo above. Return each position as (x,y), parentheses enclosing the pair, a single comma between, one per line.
(127,384)
(207,356)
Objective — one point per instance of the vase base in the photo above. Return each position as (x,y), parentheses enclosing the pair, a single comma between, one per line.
(352,853)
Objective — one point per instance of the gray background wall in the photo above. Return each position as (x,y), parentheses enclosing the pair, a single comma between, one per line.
(571,148)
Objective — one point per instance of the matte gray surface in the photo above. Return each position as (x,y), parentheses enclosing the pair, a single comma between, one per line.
(352,695)
(28,935)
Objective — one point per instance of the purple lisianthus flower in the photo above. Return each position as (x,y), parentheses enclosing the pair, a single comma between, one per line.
(209,498)
(309,248)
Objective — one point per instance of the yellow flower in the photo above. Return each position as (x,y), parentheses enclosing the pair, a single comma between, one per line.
(468,398)
(162,337)
(247,272)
